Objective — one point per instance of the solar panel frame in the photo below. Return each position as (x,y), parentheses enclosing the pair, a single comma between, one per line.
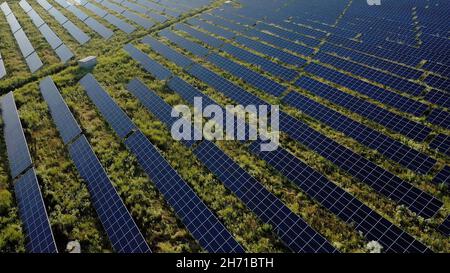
(444,228)
(440,118)
(16,144)
(441,143)
(443,176)
(38,233)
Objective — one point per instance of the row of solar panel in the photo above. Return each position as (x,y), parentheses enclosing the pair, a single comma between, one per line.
(314,184)
(38,233)
(112,19)
(369,173)
(102,30)
(291,229)
(200,221)
(395,150)
(73,30)
(400,84)
(63,52)
(141,21)
(29,54)
(119,225)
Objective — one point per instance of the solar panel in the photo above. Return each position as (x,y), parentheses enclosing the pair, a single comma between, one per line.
(224,86)
(341,203)
(387,146)
(366,109)
(441,143)
(33,62)
(96,10)
(443,176)
(444,228)
(152,67)
(249,76)
(292,36)
(328,194)
(80,36)
(63,118)
(439,98)
(37,20)
(12,21)
(58,15)
(24,44)
(208,39)
(368,73)
(5,8)
(167,52)
(111,6)
(138,19)
(122,231)
(200,221)
(38,233)
(184,43)
(211,28)
(125,27)
(50,36)
(291,229)
(63,3)
(78,13)
(103,31)
(438,82)
(44,4)
(440,118)
(221,22)
(64,53)
(16,144)
(118,120)
(2,68)
(272,52)
(379,94)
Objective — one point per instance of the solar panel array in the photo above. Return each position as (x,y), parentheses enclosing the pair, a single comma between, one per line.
(102,30)
(29,54)
(445,227)
(291,229)
(80,36)
(112,19)
(117,221)
(141,21)
(63,52)
(38,233)
(378,178)
(200,221)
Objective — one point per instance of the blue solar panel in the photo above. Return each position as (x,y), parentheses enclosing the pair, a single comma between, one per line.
(224,23)
(382,95)
(44,4)
(444,228)
(122,25)
(367,172)
(288,35)
(152,67)
(261,82)
(16,144)
(103,31)
(272,51)
(64,120)
(211,28)
(2,68)
(366,109)
(64,53)
(138,19)
(122,231)
(440,118)
(351,210)
(201,222)
(118,120)
(12,21)
(78,13)
(441,143)
(380,77)
(33,62)
(291,229)
(57,15)
(37,20)
(80,36)
(167,52)
(439,98)
(96,10)
(24,44)
(39,235)
(224,86)
(208,39)
(53,40)
(184,43)
(387,146)
(443,176)
(438,82)
(381,180)
(344,205)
